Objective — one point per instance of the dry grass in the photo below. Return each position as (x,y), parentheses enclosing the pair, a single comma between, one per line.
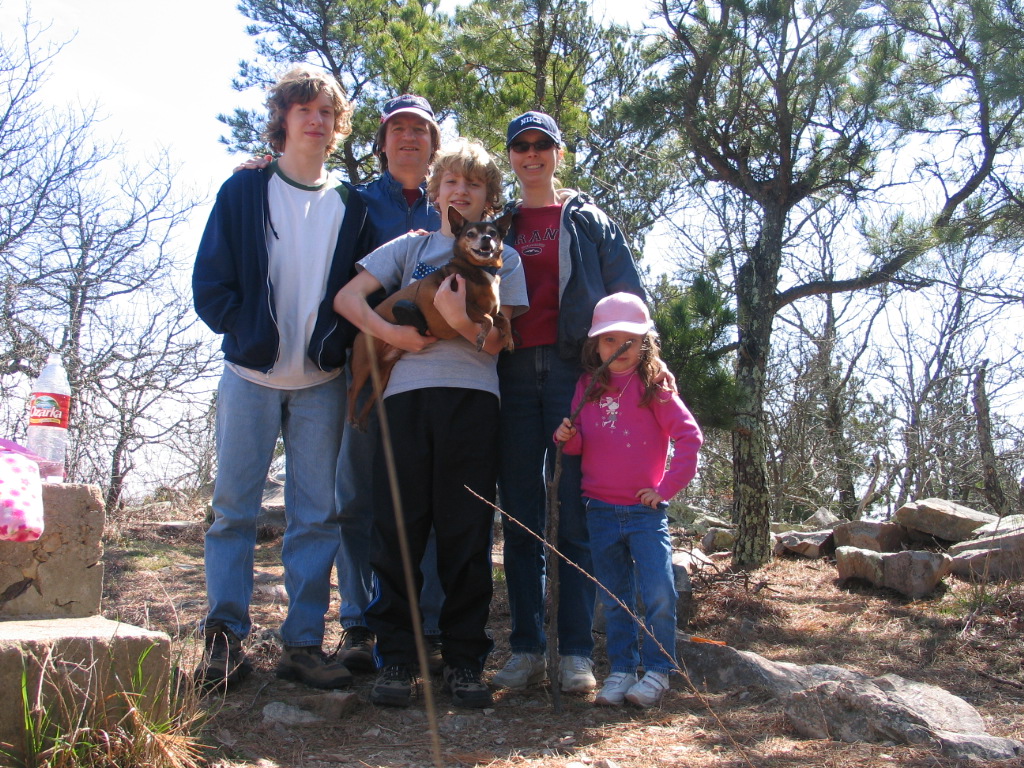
(791,610)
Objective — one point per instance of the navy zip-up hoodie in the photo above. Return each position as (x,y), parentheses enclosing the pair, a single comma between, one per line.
(594,261)
(231,284)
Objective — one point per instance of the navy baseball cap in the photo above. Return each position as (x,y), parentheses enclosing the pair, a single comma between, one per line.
(537,121)
(415,105)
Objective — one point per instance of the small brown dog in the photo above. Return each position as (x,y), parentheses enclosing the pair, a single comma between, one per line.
(476,256)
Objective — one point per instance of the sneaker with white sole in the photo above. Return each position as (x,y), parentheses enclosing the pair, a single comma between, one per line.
(521,670)
(650,689)
(576,674)
(613,692)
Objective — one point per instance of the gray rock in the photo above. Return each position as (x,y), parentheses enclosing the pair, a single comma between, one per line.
(979,747)
(718,668)
(989,564)
(787,527)
(823,518)
(942,519)
(824,701)
(814,544)
(718,540)
(1012,542)
(272,512)
(857,563)
(704,522)
(1002,526)
(864,534)
(914,573)
(892,709)
(286,714)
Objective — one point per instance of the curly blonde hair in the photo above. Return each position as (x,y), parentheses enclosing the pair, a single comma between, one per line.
(301,85)
(648,367)
(469,159)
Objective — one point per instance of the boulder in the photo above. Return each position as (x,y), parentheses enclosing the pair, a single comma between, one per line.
(1002,525)
(704,522)
(864,534)
(715,668)
(718,540)
(942,519)
(272,513)
(59,575)
(787,527)
(821,519)
(814,544)
(824,701)
(992,558)
(913,573)
(893,709)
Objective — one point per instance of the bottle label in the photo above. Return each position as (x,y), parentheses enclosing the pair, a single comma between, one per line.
(46,409)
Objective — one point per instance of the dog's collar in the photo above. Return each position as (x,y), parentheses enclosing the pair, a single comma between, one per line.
(492,271)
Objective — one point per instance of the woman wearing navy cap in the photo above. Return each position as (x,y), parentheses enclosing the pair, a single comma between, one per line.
(573,256)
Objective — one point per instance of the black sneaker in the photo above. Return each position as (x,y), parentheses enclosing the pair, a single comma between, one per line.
(393,687)
(435,661)
(308,664)
(356,651)
(224,664)
(466,689)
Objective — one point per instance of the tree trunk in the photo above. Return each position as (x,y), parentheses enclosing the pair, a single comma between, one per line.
(993,489)
(755,299)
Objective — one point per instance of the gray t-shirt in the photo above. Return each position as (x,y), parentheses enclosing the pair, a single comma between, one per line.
(448,362)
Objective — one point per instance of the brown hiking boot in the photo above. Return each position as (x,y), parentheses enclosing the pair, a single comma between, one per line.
(224,664)
(309,665)
(356,651)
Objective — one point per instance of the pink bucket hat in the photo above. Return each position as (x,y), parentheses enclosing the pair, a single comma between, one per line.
(621,312)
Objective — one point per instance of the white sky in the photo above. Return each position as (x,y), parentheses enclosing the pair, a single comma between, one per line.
(161,73)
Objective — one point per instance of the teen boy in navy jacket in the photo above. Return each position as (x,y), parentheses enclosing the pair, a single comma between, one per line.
(279,244)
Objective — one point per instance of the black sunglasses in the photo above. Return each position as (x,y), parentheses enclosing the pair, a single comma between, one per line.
(541,145)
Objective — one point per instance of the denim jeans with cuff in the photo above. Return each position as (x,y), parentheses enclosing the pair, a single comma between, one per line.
(632,549)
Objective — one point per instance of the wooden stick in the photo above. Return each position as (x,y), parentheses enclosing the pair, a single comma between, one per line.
(551,535)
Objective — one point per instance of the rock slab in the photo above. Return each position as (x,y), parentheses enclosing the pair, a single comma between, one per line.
(914,573)
(60,575)
(81,668)
(942,519)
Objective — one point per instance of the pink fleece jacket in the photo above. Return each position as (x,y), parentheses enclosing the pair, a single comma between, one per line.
(625,445)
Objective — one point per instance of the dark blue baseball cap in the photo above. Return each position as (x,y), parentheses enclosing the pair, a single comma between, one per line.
(537,121)
(407,102)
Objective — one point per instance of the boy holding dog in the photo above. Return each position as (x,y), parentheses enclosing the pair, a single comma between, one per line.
(279,244)
(442,409)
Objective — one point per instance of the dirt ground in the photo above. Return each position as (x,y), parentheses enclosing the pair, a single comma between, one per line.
(967,638)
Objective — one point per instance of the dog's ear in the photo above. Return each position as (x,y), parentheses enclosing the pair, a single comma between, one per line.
(503,223)
(456,220)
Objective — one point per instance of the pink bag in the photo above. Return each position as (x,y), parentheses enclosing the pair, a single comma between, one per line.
(21,498)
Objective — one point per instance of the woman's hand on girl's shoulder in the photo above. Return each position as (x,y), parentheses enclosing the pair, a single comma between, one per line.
(665,379)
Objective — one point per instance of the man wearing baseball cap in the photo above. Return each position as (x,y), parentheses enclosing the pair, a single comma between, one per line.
(396,202)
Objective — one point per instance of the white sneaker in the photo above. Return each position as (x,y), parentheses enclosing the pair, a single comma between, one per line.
(613,692)
(650,689)
(576,674)
(521,670)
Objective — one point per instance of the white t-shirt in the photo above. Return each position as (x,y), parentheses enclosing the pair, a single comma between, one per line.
(448,362)
(306,221)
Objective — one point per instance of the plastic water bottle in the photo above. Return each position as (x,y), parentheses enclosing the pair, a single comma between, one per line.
(48,408)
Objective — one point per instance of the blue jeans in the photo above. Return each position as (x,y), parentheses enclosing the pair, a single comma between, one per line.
(357,585)
(631,548)
(536,394)
(249,419)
